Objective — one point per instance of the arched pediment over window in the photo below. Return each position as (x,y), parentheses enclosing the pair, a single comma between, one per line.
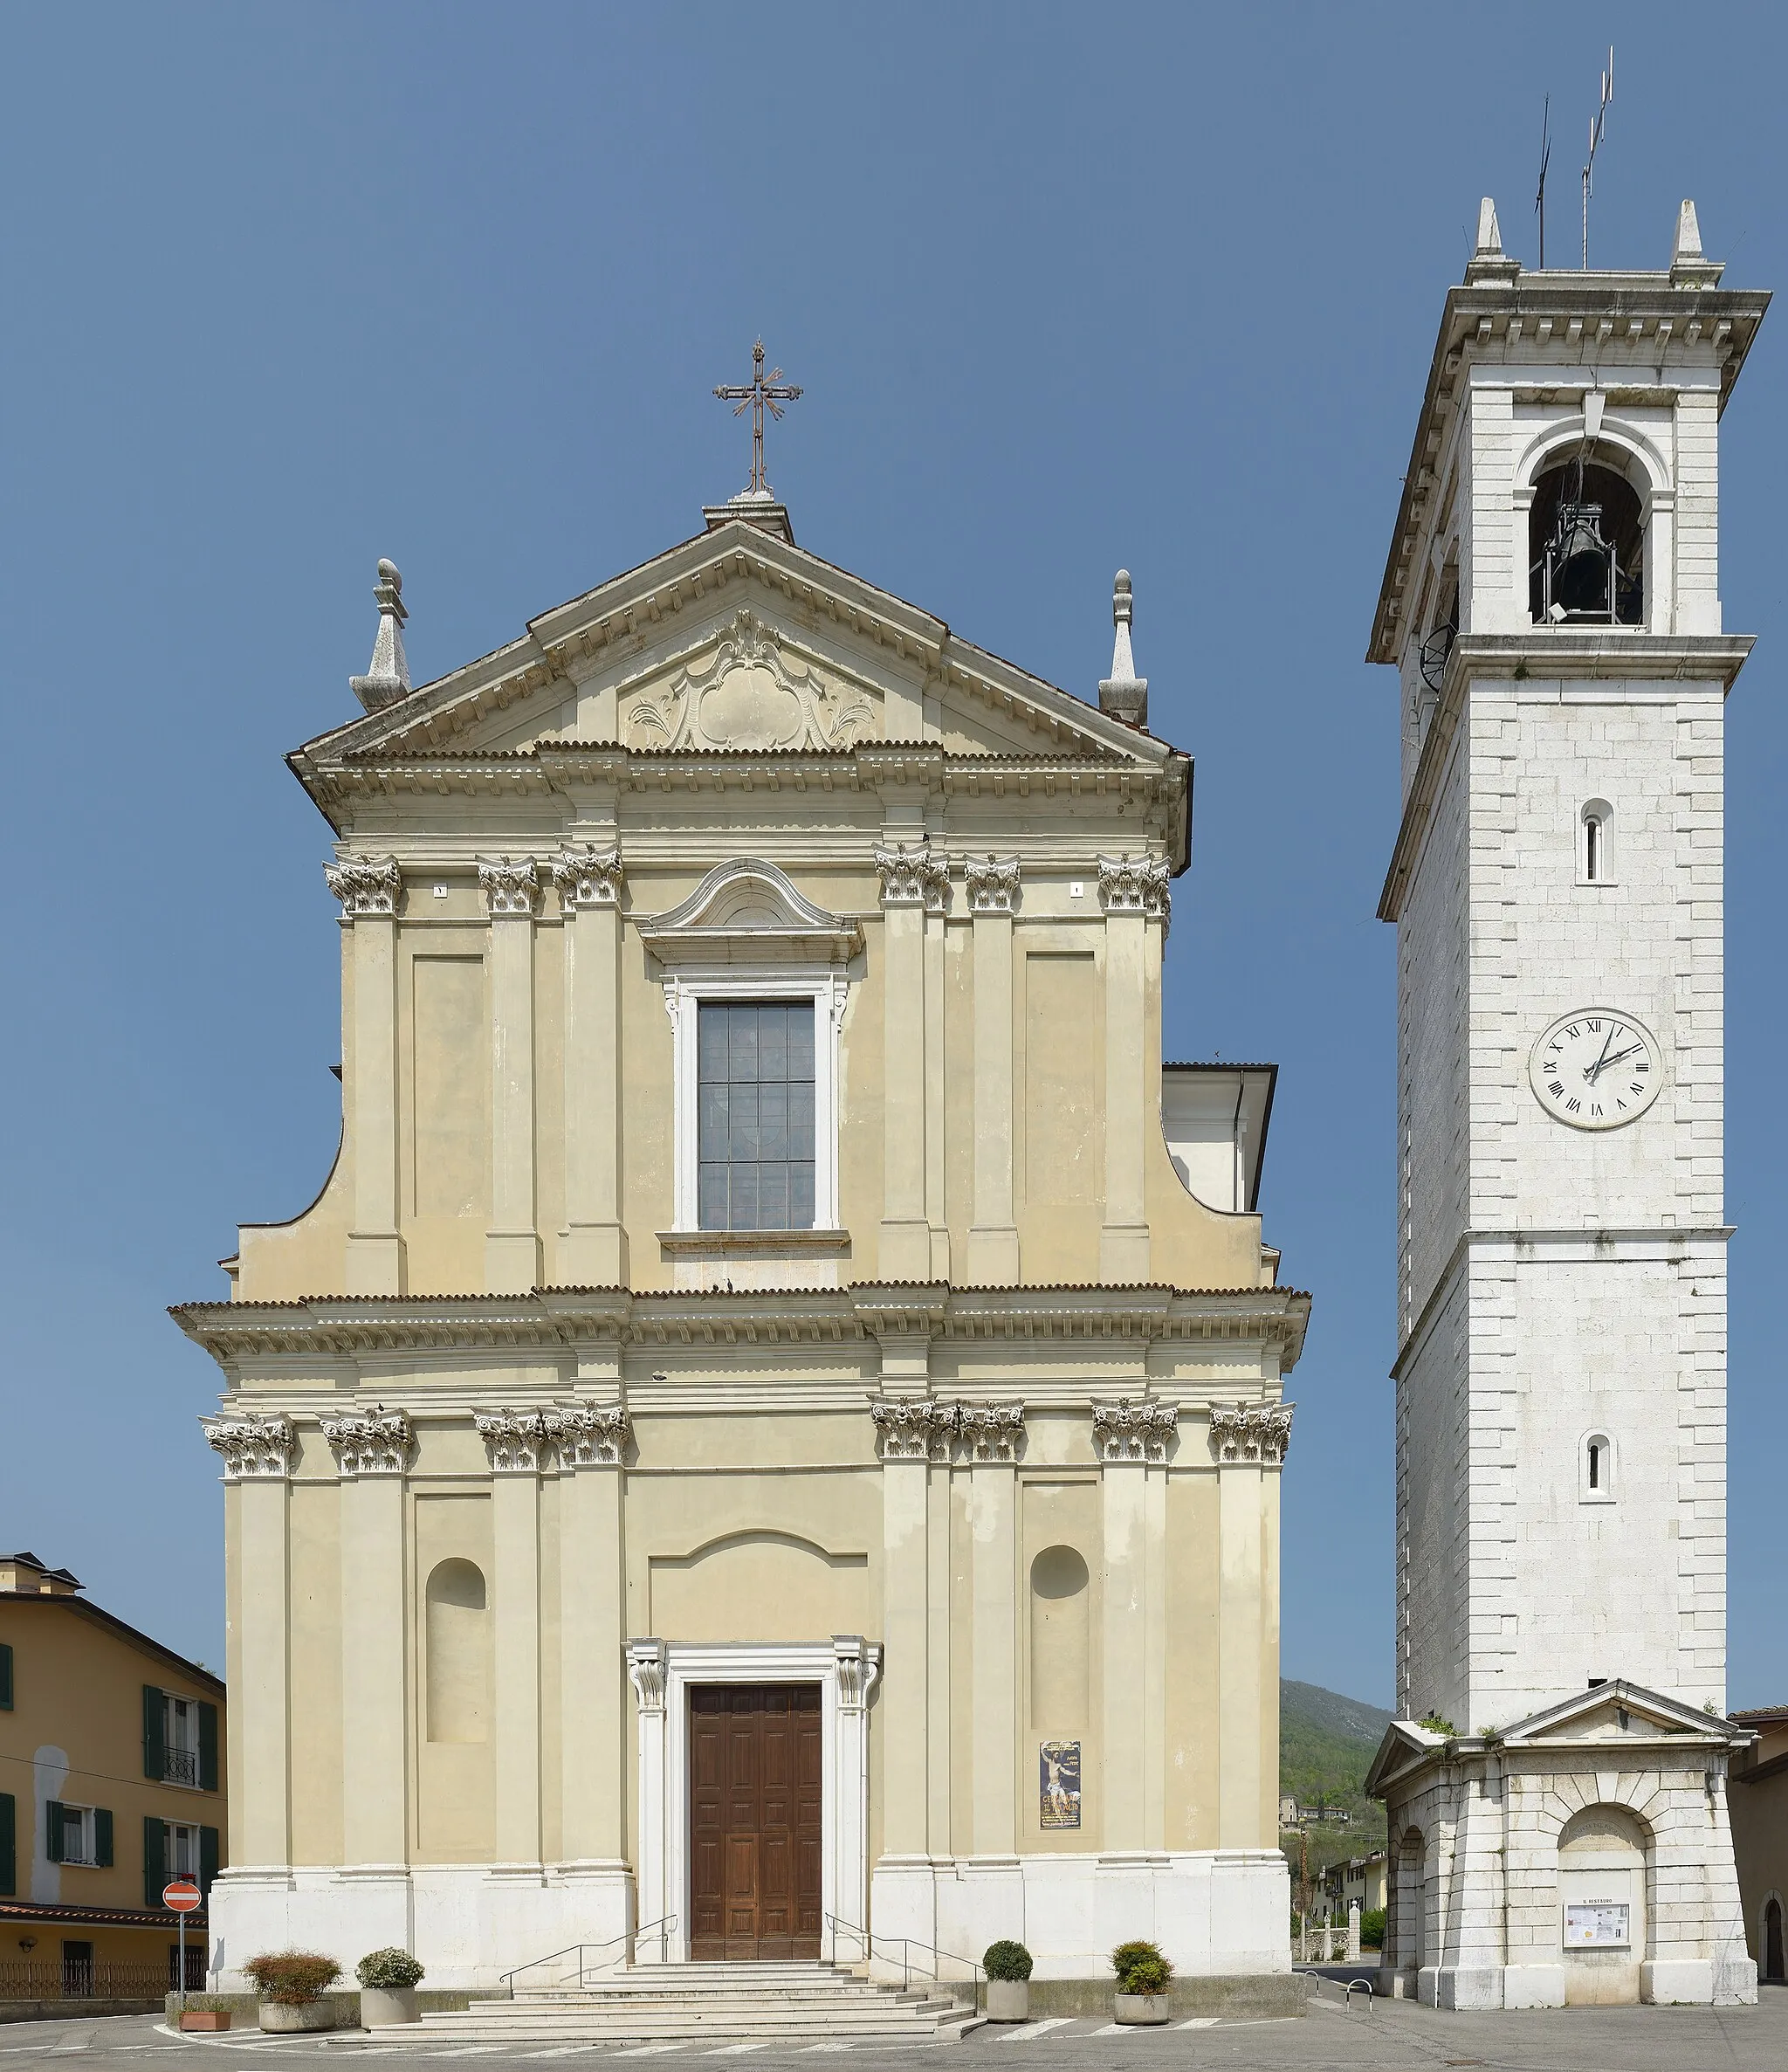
(748,911)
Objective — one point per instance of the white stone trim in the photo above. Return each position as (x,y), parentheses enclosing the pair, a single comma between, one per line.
(375,1442)
(828,991)
(254,1448)
(365,884)
(845,1668)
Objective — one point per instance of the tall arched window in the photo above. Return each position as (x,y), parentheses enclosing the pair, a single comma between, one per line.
(1595,859)
(1597,1468)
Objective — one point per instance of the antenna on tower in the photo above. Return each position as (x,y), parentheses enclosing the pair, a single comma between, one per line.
(1539,200)
(1595,138)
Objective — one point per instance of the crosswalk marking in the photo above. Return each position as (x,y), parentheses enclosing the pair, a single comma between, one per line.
(1037,2028)
(1198,2022)
(650,2051)
(732,2050)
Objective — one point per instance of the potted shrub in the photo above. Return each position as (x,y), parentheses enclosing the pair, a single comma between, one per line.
(387,1982)
(204,2011)
(1144,1976)
(292,1984)
(1007,1966)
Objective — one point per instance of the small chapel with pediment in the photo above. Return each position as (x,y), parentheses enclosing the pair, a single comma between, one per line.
(767,1444)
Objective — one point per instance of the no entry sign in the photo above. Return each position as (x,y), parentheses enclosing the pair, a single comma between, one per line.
(182,1896)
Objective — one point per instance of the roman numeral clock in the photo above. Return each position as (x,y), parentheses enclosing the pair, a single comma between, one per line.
(1597,1068)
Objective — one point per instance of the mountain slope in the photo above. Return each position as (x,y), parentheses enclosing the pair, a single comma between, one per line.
(1326,1745)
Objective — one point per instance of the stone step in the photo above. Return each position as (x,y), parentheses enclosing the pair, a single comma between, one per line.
(708,2015)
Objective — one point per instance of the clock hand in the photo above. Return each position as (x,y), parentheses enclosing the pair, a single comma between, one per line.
(1632,1050)
(1589,1075)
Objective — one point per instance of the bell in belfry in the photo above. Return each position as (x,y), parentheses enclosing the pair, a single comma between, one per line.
(1579,565)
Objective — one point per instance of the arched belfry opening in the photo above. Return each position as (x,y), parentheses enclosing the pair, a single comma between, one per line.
(1586,545)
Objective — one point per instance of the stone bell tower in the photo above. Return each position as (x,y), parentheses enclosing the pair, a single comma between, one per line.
(1551,605)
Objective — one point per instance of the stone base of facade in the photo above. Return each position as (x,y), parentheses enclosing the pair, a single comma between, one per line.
(1216,1913)
(469,1923)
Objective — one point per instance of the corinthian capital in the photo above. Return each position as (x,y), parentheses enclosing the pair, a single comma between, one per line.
(375,1442)
(1135,884)
(913,877)
(514,1440)
(1127,1431)
(364,884)
(512,884)
(587,875)
(1251,1432)
(993,884)
(254,1448)
(589,1434)
(920,1430)
(992,1431)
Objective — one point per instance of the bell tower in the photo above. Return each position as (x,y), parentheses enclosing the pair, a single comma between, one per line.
(1551,606)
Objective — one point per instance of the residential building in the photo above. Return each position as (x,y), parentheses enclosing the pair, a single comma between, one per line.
(1357,1882)
(1758,1804)
(112,1781)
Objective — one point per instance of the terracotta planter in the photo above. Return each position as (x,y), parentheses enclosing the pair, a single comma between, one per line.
(1008,2000)
(385,2006)
(1141,2010)
(280,2020)
(197,2021)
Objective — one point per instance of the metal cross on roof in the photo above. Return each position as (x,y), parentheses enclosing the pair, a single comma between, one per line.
(765,392)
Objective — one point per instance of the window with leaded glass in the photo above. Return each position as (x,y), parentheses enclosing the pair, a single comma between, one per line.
(755,1093)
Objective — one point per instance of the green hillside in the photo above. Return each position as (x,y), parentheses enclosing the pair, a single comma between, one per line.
(1326,1745)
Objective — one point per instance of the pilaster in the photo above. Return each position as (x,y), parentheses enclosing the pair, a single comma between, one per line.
(1128,1439)
(512,1244)
(1134,890)
(648,1670)
(373,1449)
(993,1238)
(914,884)
(593,1248)
(911,1436)
(258,1454)
(993,1435)
(516,1442)
(591,1440)
(367,887)
(1248,1442)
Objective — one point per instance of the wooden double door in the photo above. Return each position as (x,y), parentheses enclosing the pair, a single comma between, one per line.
(753,1820)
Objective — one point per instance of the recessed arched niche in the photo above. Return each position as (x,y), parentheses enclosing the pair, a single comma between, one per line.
(458,1643)
(1060,1641)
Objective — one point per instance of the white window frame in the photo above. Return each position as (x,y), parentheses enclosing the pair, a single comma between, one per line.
(170,1830)
(682,998)
(1603,814)
(89,1842)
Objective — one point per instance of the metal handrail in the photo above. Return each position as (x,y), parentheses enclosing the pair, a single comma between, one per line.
(871,1945)
(631,1939)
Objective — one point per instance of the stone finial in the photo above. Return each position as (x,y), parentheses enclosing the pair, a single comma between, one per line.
(1489,261)
(1123,694)
(1689,266)
(388,673)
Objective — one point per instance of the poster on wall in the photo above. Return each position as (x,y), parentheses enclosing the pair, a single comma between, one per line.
(1595,1926)
(1058,1784)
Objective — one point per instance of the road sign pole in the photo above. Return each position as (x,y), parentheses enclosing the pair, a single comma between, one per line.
(181,2014)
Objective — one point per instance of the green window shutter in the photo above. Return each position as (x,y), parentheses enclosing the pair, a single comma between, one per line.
(155,1860)
(9,1844)
(102,1837)
(154,1734)
(5,1676)
(207,1859)
(208,1746)
(52,1830)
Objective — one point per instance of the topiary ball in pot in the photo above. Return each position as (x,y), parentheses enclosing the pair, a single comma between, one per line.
(1007,1966)
(387,1980)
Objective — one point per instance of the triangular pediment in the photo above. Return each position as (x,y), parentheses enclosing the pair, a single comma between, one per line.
(1606,1712)
(738,642)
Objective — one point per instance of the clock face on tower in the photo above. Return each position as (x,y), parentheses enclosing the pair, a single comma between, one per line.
(1597,1068)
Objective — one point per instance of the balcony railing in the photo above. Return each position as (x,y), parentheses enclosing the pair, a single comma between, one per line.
(179,1766)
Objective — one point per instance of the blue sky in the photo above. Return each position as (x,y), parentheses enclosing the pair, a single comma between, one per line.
(290,288)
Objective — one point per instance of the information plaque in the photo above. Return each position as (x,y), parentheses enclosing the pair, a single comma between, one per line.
(1596,1926)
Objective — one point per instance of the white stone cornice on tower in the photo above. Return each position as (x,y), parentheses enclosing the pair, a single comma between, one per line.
(510,885)
(515,1440)
(589,1435)
(914,876)
(365,884)
(915,1430)
(587,875)
(254,1448)
(1135,884)
(859,1665)
(991,1431)
(1133,1431)
(647,1662)
(1251,1432)
(375,1442)
(993,884)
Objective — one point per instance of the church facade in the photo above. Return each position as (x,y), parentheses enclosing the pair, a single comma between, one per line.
(1555,1779)
(769,1436)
